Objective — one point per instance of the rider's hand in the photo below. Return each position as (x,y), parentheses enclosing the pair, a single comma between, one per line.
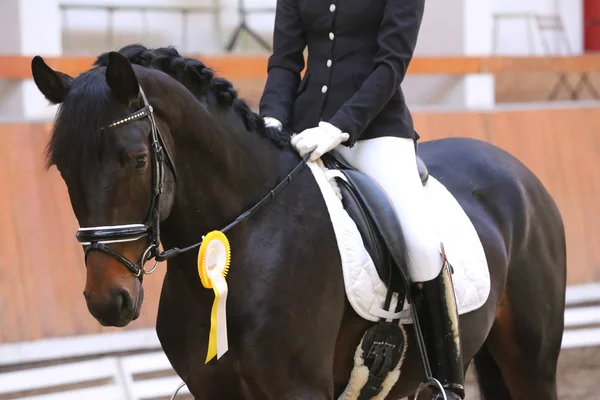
(322,139)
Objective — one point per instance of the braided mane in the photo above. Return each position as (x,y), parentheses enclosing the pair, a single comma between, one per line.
(217,92)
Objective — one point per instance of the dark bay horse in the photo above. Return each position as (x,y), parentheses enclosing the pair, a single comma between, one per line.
(150,142)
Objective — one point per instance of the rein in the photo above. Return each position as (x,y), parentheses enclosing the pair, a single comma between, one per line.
(175,251)
(97,237)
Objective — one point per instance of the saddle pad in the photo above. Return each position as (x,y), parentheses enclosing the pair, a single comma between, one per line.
(366,292)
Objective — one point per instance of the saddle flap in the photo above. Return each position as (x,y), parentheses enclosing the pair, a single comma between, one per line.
(379,207)
(369,234)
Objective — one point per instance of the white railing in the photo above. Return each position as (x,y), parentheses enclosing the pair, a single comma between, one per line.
(215,10)
(110,11)
(582,316)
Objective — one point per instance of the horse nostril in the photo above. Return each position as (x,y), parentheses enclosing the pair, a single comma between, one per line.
(86,296)
(123,301)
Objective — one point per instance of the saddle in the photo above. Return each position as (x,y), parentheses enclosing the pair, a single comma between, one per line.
(372,211)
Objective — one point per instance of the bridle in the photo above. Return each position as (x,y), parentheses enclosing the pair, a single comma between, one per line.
(97,237)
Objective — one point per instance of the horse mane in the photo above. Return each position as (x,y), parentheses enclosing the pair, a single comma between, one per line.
(217,92)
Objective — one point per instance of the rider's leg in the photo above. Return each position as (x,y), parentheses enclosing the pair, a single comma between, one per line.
(391,162)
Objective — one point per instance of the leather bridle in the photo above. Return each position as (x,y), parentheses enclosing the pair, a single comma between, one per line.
(97,237)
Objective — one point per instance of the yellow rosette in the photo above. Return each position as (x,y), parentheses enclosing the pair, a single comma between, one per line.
(214,257)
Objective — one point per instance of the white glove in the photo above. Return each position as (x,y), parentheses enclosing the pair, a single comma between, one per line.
(271,122)
(322,139)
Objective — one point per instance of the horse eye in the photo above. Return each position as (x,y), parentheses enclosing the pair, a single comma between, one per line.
(140,162)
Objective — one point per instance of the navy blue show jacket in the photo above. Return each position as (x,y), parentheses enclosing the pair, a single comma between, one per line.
(358,54)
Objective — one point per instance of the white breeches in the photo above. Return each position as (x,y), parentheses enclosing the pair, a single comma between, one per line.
(391,162)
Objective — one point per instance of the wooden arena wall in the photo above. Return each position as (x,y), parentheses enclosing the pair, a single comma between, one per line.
(42,274)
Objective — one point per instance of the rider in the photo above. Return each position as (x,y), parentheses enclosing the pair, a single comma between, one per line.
(350,101)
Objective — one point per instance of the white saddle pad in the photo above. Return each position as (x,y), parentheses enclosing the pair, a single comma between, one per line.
(366,292)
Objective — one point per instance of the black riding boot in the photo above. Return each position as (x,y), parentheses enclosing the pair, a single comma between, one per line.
(438,317)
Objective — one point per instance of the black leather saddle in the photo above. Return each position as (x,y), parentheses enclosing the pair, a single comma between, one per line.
(374,215)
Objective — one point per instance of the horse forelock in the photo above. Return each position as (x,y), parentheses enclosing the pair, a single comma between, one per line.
(217,92)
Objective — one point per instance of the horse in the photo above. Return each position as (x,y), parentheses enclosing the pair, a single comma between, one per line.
(157,151)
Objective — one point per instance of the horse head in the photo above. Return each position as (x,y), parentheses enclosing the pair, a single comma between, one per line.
(113,150)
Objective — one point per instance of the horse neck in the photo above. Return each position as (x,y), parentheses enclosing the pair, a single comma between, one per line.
(223,170)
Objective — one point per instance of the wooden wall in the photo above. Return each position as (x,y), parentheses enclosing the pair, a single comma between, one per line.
(42,274)
(537,86)
(41,264)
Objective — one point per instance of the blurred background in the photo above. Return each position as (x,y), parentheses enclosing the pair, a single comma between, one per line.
(522,74)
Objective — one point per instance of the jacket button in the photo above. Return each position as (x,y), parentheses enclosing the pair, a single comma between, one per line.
(324,89)
(332,8)
(331,35)
(329,63)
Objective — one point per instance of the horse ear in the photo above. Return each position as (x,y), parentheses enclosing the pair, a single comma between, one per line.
(121,79)
(54,85)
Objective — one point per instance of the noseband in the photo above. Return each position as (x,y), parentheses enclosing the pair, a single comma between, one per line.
(97,237)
